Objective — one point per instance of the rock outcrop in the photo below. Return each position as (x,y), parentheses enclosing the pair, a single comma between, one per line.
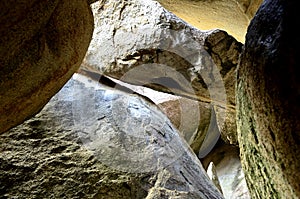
(268,98)
(93,142)
(42,43)
(143,44)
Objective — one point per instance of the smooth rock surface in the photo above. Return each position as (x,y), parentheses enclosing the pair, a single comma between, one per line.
(232,16)
(42,43)
(93,142)
(192,119)
(228,170)
(212,173)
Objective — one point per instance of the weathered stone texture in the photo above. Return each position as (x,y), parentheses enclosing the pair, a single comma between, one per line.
(141,43)
(42,43)
(268,98)
(225,51)
(93,142)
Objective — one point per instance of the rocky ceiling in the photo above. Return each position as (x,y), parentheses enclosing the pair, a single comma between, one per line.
(233,16)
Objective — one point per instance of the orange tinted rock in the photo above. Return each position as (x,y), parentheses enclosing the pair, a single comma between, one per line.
(42,44)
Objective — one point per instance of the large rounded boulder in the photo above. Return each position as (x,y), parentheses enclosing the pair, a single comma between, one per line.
(42,43)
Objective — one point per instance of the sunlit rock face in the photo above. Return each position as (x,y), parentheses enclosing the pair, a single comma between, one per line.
(249,7)
(90,141)
(233,16)
(141,43)
(42,43)
(228,170)
(268,106)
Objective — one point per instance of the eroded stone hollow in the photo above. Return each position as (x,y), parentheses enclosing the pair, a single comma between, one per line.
(233,16)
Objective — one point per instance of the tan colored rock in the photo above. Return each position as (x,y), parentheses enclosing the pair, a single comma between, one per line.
(233,16)
(42,43)
(249,7)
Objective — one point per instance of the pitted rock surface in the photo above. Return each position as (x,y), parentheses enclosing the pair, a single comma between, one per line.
(93,142)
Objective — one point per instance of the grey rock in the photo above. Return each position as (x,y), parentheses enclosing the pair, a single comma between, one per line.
(141,43)
(228,171)
(212,173)
(93,142)
(192,119)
